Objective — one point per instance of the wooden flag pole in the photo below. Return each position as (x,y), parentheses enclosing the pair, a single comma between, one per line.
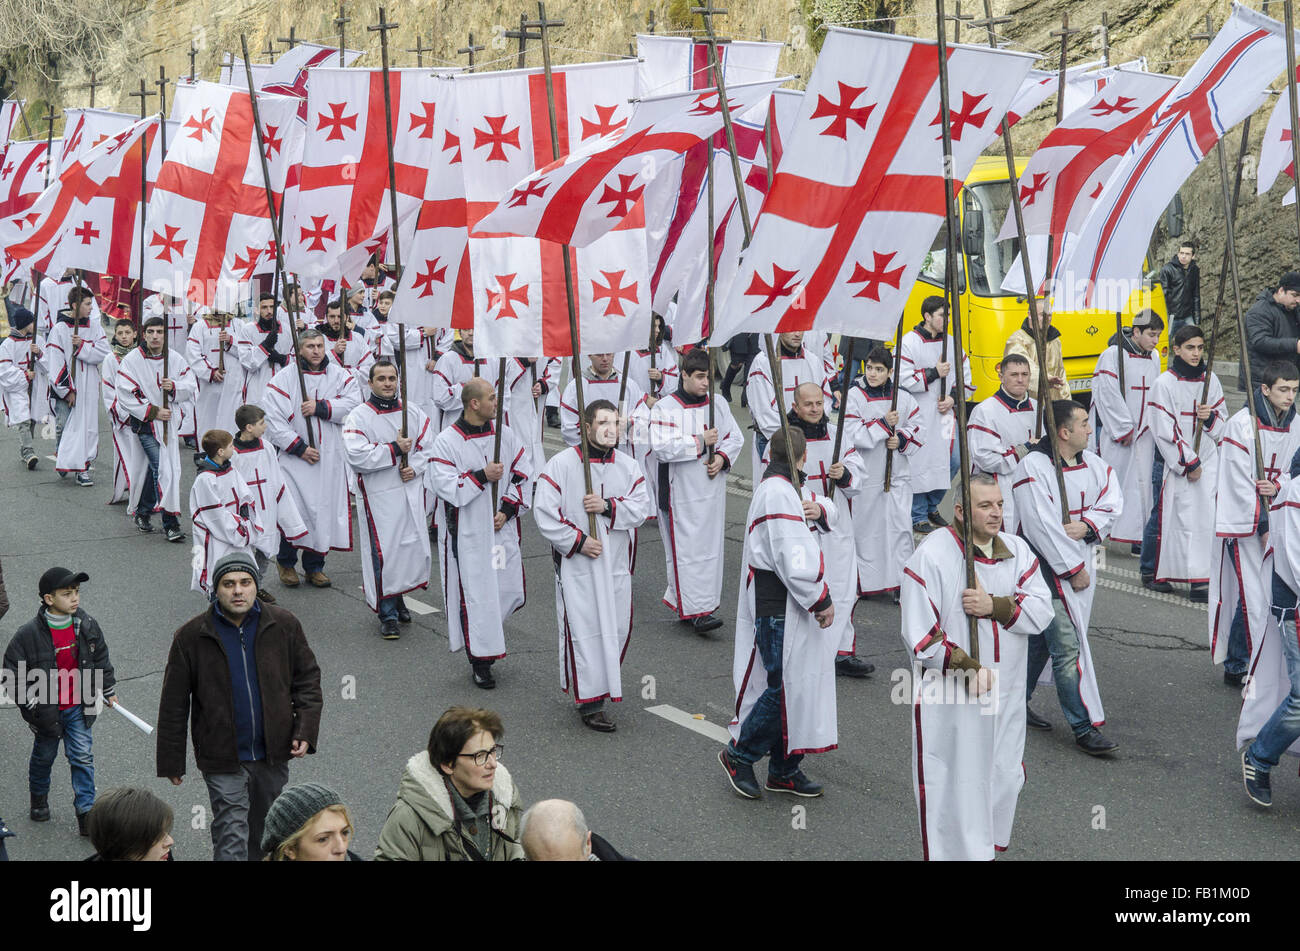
(844,402)
(544,26)
(193,55)
(469,50)
(950,210)
(420,50)
(49,141)
(1040,346)
(1288,17)
(710,289)
(500,422)
(144,188)
(893,401)
(382,28)
(290,296)
(523,35)
(1064,33)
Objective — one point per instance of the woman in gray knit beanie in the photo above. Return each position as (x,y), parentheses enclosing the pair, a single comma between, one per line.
(308,823)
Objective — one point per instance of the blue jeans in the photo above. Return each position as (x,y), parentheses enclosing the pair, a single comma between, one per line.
(62,410)
(1147,563)
(1283,727)
(1060,641)
(1238,658)
(760,442)
(387,606)
(76,747)
(149,493)
(923,503)
(312,561)
(762,733)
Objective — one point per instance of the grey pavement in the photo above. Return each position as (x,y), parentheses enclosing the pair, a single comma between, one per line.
(654,788)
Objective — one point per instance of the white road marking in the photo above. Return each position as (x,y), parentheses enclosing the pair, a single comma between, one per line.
(1179,600)
(52,458)
(414,606)
(682,718)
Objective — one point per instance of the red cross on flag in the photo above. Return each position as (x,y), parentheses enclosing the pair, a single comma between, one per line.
(584,195)
(208,217)
(10,109)
(1082,83)
(23,175)
(1275,155)
(1227,83)
(520,307)
(858,195)
(83,129)
(342,208)
(1038,86)
(65,214)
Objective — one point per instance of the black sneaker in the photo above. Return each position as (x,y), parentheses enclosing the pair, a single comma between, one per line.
(922,528)
(741,776)
(853,667)
(40,808)
(1150,582)
(174,534)
(143,525)
(1256,780)
(1034,721)
(388,630)
(403,615)
(483,676)
(84,479)
(938,520)
(702,625)
(1234,678)
(30,463)
(796,785)
(1094,744)
(1200,594)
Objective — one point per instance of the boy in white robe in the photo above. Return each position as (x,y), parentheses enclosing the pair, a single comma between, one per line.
(482,571)
(968,724)
(1000,430)
(20,361)
(222,510)
(1066,558)
(1179,535)
(77,419)
(389,470)
(783,667)
(141,384)
(1122,422)
(130,465)
(882,521)
(593,573)
(262,346)
(798,365)
(924,371)
(528,380)
(1242,563)
(210,351)
(692,494)
(259,464)
(602,381)
(315,474)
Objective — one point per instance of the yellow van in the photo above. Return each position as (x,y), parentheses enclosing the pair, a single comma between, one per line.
(989,315)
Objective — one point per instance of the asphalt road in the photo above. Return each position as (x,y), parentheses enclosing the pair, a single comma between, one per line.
(654,788)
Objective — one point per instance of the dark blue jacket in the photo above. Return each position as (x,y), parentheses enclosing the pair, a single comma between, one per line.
(250,737)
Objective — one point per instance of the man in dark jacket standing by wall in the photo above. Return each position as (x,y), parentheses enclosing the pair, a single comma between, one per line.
(1273,326)
(255,688)
(1181,280)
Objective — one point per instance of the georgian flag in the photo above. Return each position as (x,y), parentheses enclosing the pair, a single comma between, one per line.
(83,129)
(1082,86)
(10,109)
(25,171)
(1038,86)
(1275,154)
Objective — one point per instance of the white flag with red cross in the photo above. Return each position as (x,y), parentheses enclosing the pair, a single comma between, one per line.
(208,217)
(25,171)
(520,304)
(83,129)
(1038,86)
(45,236)
(1082,85)
(582,196)
(859,193)
(10,110)
(341,214)
(1226,84)
(1275,154)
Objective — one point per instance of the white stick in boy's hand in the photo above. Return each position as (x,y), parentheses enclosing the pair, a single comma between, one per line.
(145,728)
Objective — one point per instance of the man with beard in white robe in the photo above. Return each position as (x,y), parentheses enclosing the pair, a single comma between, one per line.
(882,521)
(593,573)
(349,349)
(968,724)
(316,474)
(130,465)
(1000,429)
(141,384)
(784,662)
(798,365)
(1122,421)
(20,362)
(480,501)
(838,547)
(73,356)
(1066,555)
(211,355)
(692,494)
(263,346)
(1179,535)
(924,370)
(1241,567)
(389,468)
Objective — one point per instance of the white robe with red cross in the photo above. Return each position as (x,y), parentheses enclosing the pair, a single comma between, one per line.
(259,465)
(139,393)
(1185,538)
(1095,499)
(390,512)
(1115,416)
(16,359)
(995,428)
(778,539)
(80,442)
(130,464)
(218,399)
(695,506)
(1245,576)
(921,354)
(593,596)
(882,521)
(320,490)
(967,751)
(760,390)
(225,520)
(482,569)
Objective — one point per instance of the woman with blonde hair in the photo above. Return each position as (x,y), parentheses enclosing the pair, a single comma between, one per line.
(308,823)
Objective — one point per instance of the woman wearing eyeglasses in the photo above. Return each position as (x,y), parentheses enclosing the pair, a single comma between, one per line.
(456,802)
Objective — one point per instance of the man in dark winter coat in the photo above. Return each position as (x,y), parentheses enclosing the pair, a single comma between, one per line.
(245,670)
(1181,280)
(1273,326)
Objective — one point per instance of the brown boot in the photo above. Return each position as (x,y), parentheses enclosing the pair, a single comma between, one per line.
(288,576)
(318,579)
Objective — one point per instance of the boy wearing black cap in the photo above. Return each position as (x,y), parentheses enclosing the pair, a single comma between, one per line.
(19,356)
(60,666)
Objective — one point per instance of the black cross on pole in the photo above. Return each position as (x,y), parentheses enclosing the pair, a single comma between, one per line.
(291,40)
(193,54)
(523,36)
(470,50)
(341,21)
(161,83)
(143,95)
(1064,33)
(270,50)
(49,140)
(421,49)
(957,18)
(92,86)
